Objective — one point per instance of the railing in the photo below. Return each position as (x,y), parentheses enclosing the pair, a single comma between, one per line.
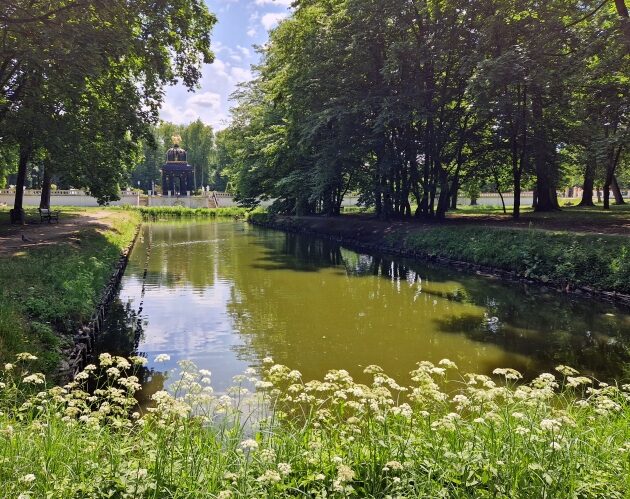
(68,192)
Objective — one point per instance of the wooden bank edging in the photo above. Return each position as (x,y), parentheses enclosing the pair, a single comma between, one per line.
(481,270)
(76,358)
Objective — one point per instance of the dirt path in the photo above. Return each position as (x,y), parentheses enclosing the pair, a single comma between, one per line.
(45,234)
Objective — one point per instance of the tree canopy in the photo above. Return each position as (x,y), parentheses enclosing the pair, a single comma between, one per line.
(81,81)
(408,102)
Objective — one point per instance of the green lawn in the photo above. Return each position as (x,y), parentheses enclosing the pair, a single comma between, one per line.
(46,292)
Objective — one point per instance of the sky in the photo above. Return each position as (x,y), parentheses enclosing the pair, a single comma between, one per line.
(242,24)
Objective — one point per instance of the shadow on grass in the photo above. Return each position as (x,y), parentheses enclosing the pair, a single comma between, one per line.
(48,291)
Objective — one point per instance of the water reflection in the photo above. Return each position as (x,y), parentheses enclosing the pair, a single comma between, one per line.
(225,295)
(124,330)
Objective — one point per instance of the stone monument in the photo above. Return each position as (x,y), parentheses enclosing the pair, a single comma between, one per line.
(177,175)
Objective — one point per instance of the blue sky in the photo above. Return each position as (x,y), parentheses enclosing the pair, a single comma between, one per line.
(242,24)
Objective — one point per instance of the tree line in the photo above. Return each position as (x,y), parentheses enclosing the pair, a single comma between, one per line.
(81,83)
(409,102)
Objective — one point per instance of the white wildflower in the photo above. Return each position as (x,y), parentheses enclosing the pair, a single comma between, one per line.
(345,473)
(105,359)
(449,364)
(393,466)
(574,382)
(25,356)
(35,379)
(509,374)
(284,468)
(567,371)
(249,444)
(269,476)
(163,357)
(550,424)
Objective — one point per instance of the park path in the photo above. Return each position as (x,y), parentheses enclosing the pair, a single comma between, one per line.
(45,234)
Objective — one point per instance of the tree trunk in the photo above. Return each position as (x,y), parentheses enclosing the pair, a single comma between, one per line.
(516,213)
(622,10)
(617,191)
(44,201)
(442,205)
(544,182)
(607,196)
(454,195)
(17,214)
(610,174)
(589,181)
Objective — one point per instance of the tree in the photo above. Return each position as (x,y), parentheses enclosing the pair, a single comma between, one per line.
(198,140)
(53,56)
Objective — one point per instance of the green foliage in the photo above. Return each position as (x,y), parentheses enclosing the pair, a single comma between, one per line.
(57,289)
(444,433)
(561,258)
(82,81)
(405,102)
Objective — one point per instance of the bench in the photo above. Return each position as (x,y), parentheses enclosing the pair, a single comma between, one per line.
(46,214)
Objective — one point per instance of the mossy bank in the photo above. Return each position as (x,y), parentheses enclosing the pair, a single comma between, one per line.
(48,289)
(581,263)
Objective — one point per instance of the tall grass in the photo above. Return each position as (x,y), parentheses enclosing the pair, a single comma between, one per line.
(447,434)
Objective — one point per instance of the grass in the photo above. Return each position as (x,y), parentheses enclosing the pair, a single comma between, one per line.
(601,262)
(47,292)
(447,434)
(154,213)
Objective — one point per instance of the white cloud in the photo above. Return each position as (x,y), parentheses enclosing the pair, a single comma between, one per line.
(210,100)
(244,50)
(251,32)
(272,19)
(240,74)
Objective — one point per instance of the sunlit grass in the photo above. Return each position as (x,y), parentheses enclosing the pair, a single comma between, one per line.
(47,292)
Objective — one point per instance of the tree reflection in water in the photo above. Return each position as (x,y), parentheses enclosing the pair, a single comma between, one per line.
(226,295)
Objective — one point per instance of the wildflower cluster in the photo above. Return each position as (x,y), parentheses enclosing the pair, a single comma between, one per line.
(275,434)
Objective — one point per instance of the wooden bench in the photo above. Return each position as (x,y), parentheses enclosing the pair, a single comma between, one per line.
(48,215)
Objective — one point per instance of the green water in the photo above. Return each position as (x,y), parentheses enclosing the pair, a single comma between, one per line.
(226,295)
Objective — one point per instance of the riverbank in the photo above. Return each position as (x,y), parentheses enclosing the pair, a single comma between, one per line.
(52,277)
(587,263)
(447,434)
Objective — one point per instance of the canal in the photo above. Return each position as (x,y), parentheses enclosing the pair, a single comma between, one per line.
(226,295)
